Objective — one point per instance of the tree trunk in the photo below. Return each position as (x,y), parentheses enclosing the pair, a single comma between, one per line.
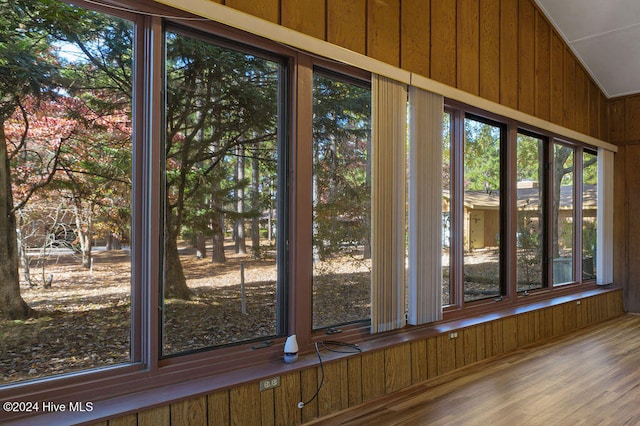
(559,171)
(109,242)
(25,262)
(270,223)
(12,305)
(116,243)
(22,253)
(217,251)
(175,284)
(255,206)
(85,249)
(556,214)
(241,244)
(84,236)
(201,246)
(217,225)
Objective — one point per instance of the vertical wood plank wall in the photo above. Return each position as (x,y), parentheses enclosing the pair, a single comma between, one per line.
(503,50)
(624,127)
(362,377)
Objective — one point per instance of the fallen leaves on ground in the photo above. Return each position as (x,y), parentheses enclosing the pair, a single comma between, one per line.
(84,320)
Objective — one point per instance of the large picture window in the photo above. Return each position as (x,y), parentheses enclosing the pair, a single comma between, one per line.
(530,205)
(563,213)
(178,196)
(446,207)
(522,192)
(482,204)
(66,136)
(341,200)
(222,215)
(589,214)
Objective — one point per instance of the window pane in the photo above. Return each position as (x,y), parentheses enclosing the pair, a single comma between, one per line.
(341,201)
(563,233)
(589,214)
(68,138)
(529,235)
(446,208)
(481,210)
(220,258)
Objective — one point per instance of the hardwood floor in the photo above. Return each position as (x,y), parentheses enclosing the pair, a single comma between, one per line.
(591,377)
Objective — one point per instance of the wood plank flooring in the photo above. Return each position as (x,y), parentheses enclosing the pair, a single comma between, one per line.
(591,377)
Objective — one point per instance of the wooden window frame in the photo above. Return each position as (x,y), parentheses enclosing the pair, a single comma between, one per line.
(546,158)
(511,297)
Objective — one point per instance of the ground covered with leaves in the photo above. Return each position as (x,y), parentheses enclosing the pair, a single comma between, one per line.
(214,315)
(83,320)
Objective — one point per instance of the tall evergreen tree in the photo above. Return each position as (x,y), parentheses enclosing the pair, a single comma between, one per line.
(220,103)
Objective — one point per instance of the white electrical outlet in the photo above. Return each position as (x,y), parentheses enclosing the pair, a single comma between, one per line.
(271,383)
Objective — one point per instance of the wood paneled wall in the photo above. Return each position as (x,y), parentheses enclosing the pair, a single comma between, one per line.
(502,50)
(624,131)
(359,378)
(624,116)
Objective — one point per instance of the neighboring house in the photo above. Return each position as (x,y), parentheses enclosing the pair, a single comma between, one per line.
(482,216)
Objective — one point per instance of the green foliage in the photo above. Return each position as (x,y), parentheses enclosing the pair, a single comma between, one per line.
(529,165)
(589,238)
(342,188)
(217,99)
(590,169)
(27,67)
(223,114)
(481,156)
(529,247)
(83,90)
(446,151)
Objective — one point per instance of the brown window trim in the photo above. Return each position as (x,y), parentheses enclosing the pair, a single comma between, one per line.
(301,261)
(458,308)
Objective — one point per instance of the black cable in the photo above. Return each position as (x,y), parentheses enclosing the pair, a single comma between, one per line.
(302,404)
(353,348)
(325,344)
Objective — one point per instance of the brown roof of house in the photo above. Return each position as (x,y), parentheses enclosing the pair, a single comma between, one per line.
(528,198)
